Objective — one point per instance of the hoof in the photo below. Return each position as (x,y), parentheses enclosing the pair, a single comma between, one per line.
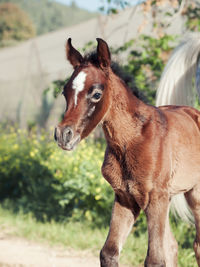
(108,260)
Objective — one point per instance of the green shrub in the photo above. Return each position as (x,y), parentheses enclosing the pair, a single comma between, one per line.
(15,24)
(146,59)
(37,176)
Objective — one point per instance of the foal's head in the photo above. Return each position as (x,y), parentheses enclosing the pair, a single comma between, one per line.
(86,93)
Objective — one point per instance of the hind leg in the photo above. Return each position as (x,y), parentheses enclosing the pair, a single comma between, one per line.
(193,199)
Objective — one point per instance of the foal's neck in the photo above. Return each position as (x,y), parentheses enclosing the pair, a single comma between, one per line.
(126,116)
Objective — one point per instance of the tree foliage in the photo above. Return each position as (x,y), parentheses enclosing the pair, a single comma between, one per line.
(147,63)
(113,6)
(192,14)
(48,15)
(14,24)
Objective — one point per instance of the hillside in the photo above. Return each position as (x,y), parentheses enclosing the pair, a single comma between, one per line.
(48,15)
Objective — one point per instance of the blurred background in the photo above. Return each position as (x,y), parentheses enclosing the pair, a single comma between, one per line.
(48,195)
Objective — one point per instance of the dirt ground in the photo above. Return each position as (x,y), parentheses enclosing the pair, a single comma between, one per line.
(19,252)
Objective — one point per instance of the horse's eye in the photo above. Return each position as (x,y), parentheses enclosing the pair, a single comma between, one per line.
(96,96)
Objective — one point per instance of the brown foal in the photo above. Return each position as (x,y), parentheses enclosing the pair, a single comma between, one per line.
(152,153)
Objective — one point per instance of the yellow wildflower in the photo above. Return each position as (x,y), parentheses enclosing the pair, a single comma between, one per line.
(88,215)
(97,197)
(32,154)
(98,190)
(16,146)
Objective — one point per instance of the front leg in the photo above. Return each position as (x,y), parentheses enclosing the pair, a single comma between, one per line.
(121,224)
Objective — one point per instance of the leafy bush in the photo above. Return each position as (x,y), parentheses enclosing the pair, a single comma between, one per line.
(48,15)
(36,176)
(14,24)
(147,63)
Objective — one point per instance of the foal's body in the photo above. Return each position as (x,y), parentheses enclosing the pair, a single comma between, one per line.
(152,153)
(142,176)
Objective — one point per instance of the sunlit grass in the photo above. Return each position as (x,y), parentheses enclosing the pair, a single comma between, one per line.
(74,235)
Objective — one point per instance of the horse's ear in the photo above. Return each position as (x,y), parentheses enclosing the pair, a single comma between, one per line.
(72,54)
(103,53)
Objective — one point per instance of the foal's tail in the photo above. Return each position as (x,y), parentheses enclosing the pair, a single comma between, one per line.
(176,84)
(177,88)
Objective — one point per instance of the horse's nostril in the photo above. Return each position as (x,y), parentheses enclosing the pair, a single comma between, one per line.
(67,134)
(55,135)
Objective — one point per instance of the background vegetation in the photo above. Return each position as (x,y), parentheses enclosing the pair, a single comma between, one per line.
(40,178)
(15,25)
(22,19)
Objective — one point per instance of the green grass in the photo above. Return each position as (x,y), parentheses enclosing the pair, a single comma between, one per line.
(74,235)
(83,236)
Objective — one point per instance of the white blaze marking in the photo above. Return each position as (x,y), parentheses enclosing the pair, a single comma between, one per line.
(78,84)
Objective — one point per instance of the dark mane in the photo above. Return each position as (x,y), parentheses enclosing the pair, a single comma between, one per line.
(126,76)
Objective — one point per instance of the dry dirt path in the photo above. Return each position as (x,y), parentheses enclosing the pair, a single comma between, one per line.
(19,252)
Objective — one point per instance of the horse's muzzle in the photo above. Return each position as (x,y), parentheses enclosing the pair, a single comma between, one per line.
(65,137)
